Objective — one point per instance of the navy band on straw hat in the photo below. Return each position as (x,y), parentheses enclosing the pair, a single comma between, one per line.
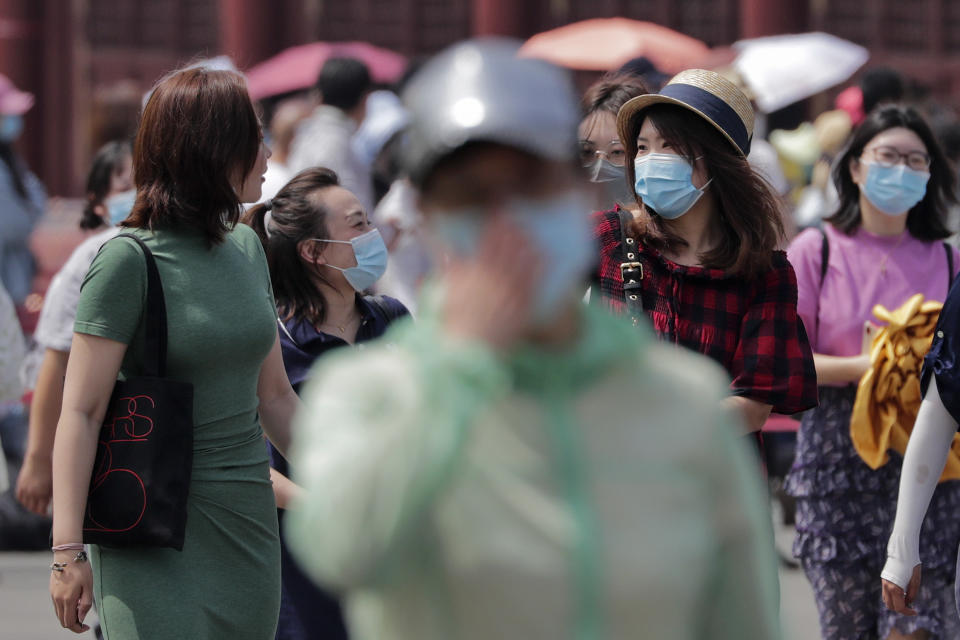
(706,93)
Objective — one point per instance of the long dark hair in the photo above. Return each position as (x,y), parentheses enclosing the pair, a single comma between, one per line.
(296,215)
(748,213)
(106,163)
(928,219)
(197,131)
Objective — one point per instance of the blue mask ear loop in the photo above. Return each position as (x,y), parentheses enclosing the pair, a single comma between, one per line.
(340,269)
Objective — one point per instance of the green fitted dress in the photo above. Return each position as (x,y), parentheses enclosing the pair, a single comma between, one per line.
(225,584)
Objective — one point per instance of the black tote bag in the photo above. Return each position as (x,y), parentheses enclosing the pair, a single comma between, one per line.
(141,473)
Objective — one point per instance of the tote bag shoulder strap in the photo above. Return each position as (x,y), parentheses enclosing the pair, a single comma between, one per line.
(155,347)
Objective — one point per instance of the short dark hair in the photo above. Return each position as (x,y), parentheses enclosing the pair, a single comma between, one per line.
(928,219)
(106,162)
(295,216)
(880,84)
(343,82)
(750,218)
(198,131)
(610,93)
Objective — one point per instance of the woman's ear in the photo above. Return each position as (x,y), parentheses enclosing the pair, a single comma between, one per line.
(101,211)
(857,170)
(310,252)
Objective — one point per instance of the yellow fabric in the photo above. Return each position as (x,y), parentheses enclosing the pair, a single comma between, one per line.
(888,397)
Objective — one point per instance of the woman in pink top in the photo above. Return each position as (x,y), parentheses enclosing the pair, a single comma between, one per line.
(881,247)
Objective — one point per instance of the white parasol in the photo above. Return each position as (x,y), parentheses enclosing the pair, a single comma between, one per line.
(781,70)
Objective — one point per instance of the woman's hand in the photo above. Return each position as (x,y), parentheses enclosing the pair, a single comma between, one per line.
(487,296)
(72,591)
(899,600)
(285,490)
(35,484)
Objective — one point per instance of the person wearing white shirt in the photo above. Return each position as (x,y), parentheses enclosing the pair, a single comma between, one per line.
(325,138)
(110,198)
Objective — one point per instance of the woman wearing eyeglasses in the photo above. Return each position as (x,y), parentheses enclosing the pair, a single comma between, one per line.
(880,247)
(601,150)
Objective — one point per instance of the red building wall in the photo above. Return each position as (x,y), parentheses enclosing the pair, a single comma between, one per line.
(89,61)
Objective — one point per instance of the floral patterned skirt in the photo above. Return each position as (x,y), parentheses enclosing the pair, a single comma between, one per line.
(845,513)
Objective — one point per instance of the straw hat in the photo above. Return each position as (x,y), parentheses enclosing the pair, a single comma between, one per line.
(706,93)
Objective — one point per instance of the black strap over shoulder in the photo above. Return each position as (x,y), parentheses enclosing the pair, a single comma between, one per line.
(631,269)
(950,274)
(824,256)
(155,347)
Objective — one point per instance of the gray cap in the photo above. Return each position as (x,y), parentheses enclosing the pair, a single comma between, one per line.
(480,91)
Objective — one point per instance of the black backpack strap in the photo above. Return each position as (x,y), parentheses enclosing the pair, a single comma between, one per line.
(155,347)
(824,256)
(824,264)
(950,274)
(631,269)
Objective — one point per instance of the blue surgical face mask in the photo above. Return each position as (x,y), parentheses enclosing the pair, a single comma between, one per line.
(371,255)
(894,190)
(560,231)
(664,181)
(613,179)
(10,128)
(120,205)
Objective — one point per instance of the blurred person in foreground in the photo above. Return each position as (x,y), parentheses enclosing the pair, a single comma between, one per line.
(222,339)
(325,137)
(601,150)
(110,198)
(323,254)
(23,199)
(696,251)
(517,464)
(880,247)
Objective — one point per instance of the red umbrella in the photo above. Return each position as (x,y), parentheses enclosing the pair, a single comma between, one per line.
(604,44)
(297,67)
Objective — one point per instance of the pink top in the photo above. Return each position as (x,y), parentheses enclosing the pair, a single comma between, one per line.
(855,281)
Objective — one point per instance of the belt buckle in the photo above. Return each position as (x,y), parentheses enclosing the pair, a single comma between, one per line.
(625,266)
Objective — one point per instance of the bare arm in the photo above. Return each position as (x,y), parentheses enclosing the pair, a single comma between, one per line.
(750,413)
(285,490)
(34,484)
(91,374)
(278,400)
(840,369)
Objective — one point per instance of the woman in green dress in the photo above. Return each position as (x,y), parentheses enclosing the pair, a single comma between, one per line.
(198,154)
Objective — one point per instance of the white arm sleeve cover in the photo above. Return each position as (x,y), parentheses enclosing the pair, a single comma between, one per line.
(922,465)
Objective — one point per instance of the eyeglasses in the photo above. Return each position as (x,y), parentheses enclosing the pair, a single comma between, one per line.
(613,152)
(891,156)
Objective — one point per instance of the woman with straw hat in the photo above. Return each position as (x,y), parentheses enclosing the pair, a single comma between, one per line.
(695,254)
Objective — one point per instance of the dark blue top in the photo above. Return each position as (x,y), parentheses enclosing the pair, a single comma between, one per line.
(301,344)
(306,611)
(941,361)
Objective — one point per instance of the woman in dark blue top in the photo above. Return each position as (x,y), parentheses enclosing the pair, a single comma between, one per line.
(323,254)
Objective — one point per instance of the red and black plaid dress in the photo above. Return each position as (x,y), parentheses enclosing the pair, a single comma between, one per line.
(750,327)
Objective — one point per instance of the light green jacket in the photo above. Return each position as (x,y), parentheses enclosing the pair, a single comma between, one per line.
(598,492)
